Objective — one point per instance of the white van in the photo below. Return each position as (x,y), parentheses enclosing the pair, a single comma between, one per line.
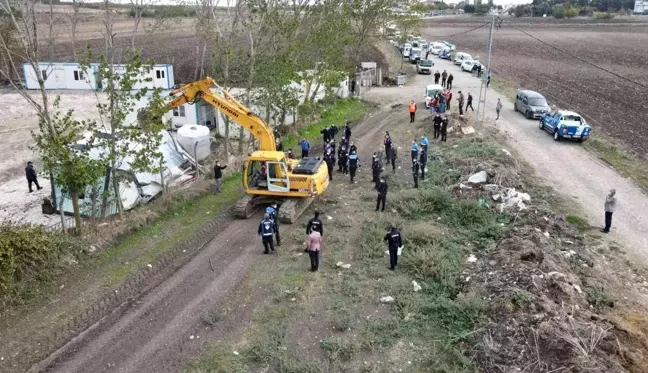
(415,55)
(460,57)
(406,50)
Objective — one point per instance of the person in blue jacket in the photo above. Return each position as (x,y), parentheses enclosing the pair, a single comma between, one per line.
(424,143)
(415,150)
(305,147)
(266,231)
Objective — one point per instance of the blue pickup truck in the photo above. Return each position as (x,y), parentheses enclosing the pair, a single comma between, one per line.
(566,125)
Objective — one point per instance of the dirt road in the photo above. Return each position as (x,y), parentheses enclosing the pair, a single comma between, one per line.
(154,334)
(570,169)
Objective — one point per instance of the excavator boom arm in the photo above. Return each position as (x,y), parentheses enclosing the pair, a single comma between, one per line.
(228,105)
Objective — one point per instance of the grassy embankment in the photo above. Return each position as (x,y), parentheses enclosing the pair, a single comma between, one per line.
(608,149)
(428,330)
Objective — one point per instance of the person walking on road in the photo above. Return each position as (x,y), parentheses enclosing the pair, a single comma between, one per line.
(347,131)
(437,125)
(314,245)
(498,108)
(273,213)
(266,231)
(394,242)
(437,76)
(218,176)
(610,206)
(460,100)
(30,173)
(382,194)
(392,156)
(412,111)
(305,147)
(353,164)
(387,141)
(469,102)
(449,81)
(444,128)
(444,76)
(488,77)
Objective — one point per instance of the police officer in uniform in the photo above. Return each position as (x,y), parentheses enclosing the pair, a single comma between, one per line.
(437,125)
(347,131)
(394,241)
(415,172)
(266,231)
(382,194)
(444,128)
(353,148)
(342,158)
(376,167)
(329,158)
(414,150)
(273,213)
(423,163)
(392,156)
(354,162)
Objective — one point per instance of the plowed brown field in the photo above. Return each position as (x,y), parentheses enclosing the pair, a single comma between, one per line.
(615,106)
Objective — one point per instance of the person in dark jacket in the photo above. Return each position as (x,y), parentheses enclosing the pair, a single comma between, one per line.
(394,241)
(444,76)
(290,154)
(423,163)
(469,102)
(218,176)
(329,158)
(387,141)
(354,162)
(334,131)
(415,172)
(273,213)
(314,224)
(444,128)
(305,147)
(353,148)
(449,83)
(376,167)
(326,135)
(382,188)
(392,156)
(347,131)
(437,125)
(437,76)
(343,158)
(30,173)
(266,231)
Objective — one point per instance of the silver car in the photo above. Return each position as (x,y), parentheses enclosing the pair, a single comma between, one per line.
(531,103)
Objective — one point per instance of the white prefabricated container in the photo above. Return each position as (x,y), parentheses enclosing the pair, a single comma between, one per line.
(196,140)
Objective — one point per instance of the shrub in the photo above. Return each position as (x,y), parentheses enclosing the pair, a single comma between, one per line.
(602,15)
(29,253)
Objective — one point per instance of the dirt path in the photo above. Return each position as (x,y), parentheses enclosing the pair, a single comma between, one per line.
(570,169)
(153,333)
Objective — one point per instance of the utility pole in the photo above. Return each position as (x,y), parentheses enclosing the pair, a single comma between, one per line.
(481,107)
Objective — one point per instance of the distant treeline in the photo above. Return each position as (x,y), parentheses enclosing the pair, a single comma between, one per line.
(566,8)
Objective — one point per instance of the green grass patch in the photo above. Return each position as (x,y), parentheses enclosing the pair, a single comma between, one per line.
(579,222)
(623,161)
(351,109)
(599,297)
(220,358)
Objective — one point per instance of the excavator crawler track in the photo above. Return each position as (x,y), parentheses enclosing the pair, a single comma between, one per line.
(245,207)
(292,208)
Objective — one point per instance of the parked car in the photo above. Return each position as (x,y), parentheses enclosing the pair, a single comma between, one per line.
(565,124)
(460,57)
(431,91)
(446,54)
(531,103)
(436,48)
(415,55)
(424,66)
(471,65)
(407,47)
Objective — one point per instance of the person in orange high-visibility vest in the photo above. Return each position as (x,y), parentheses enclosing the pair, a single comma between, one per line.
(412,111)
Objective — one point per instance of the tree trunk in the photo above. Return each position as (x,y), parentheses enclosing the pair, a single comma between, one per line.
(227,134)
(118,201)
(74,195)
(105,192)
(62,213)
(136,22)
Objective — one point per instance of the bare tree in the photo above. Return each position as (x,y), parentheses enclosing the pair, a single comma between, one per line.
(138,9)
(74,21)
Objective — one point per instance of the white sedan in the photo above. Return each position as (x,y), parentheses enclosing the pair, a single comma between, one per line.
(470,65)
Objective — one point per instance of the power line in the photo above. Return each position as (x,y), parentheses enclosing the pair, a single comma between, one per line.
(465,32)
(582,59)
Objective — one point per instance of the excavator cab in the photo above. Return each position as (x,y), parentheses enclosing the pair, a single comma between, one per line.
(266,171)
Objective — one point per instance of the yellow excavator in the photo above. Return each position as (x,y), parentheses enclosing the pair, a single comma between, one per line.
(268,175)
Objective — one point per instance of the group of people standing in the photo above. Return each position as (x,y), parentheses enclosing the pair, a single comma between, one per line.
(446,79)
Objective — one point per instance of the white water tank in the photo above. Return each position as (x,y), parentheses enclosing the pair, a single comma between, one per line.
(196,140)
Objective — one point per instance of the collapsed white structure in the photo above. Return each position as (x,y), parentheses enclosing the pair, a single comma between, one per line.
(134,187)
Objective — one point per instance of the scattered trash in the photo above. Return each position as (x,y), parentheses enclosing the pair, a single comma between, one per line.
(341,264)
(467,279)
(478,178)
(329,217)
(235,353)
(578,289)
(387,299)
(507,152)
(149,265)
(416,286)
(467,130)
(293,299)
(472,258)
(191,337)
(400,250)
(568,242)
(482,203)
(510,198)
(546,234)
